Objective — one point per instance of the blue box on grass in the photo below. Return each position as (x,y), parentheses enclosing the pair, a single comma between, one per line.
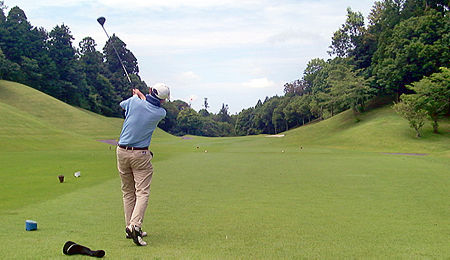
(30,225)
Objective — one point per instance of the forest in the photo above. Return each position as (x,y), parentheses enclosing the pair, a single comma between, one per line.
(400,53)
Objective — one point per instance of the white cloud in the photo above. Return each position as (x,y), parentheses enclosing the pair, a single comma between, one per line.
(31,4)
(259,83)
(179,3)
(194,40)
(189,75)
(294,37)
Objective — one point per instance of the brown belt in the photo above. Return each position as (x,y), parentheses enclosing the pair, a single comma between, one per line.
(132,148)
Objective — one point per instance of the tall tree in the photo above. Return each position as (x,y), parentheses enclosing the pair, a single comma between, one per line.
(17,37)
(2,24)
(416,47)
(297,87)
(298,111)
(70,82)
(348,89)
(102,96)
(349,37)
(205,104)
(279,121)
(223,115)
(263,115)
(91,60)
(245,122)
(117,75)
(315,74)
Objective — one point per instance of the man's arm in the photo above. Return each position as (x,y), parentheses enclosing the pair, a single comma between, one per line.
(138,93)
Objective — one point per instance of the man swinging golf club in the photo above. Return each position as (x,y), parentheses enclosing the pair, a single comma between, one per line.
(142,115)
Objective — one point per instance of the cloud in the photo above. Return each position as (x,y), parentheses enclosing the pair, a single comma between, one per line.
(295,37)
(259,83)
(189,75)
(200,40)
(173,4)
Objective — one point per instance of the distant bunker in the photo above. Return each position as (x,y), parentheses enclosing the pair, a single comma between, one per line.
(410,154)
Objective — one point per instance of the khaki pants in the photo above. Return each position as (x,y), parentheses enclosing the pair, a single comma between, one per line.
(136,173)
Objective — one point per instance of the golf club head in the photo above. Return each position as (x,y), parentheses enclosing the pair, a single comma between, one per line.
(101,20)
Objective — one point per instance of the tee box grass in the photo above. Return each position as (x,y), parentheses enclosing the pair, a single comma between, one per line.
(322,191)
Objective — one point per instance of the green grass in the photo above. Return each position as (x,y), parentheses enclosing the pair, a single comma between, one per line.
(380,130)
(338,197)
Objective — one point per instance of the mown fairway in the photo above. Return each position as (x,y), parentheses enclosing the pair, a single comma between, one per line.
(322,191)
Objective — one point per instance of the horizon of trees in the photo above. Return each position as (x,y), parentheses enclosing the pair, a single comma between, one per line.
(403,43)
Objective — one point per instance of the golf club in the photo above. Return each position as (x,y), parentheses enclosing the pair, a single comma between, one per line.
(101,21)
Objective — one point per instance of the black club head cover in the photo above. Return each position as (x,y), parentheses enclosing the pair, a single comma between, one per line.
(72,248)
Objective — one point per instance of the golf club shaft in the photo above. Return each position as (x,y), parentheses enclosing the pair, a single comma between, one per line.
(117,53)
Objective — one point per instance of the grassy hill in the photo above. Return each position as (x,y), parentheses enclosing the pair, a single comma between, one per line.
(323,191)
(380,130)
(42,137)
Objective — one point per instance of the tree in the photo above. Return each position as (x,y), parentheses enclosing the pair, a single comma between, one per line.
(348,89)
(297,87)
(279,118)
(169,123)
(189,121)
(104,99)
(348,38)
(117,75)
(223,115)
(315,75)
(297,111)
(2,24)
(31,71)
(102,96)
(4,66)
(263,115)
(49,75)
(205,104)
(245,122)
(127,57)
(432,95)
(416,47)
(16,39)
(407,109)
(69,79)
(8,70)
(203,112)
(2,14)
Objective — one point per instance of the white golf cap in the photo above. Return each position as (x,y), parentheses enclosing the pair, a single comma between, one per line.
(161,91)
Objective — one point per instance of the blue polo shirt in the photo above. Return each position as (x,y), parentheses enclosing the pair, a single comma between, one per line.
(141,119)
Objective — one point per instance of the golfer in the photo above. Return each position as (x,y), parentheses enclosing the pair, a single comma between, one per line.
(142,115)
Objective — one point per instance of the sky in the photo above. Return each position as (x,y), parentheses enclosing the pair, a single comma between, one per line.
(231,52)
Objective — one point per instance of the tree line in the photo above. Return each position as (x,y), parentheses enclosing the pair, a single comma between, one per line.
(48,61)
(404,45)
(403,52)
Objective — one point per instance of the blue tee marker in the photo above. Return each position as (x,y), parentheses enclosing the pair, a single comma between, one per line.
(30,225)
